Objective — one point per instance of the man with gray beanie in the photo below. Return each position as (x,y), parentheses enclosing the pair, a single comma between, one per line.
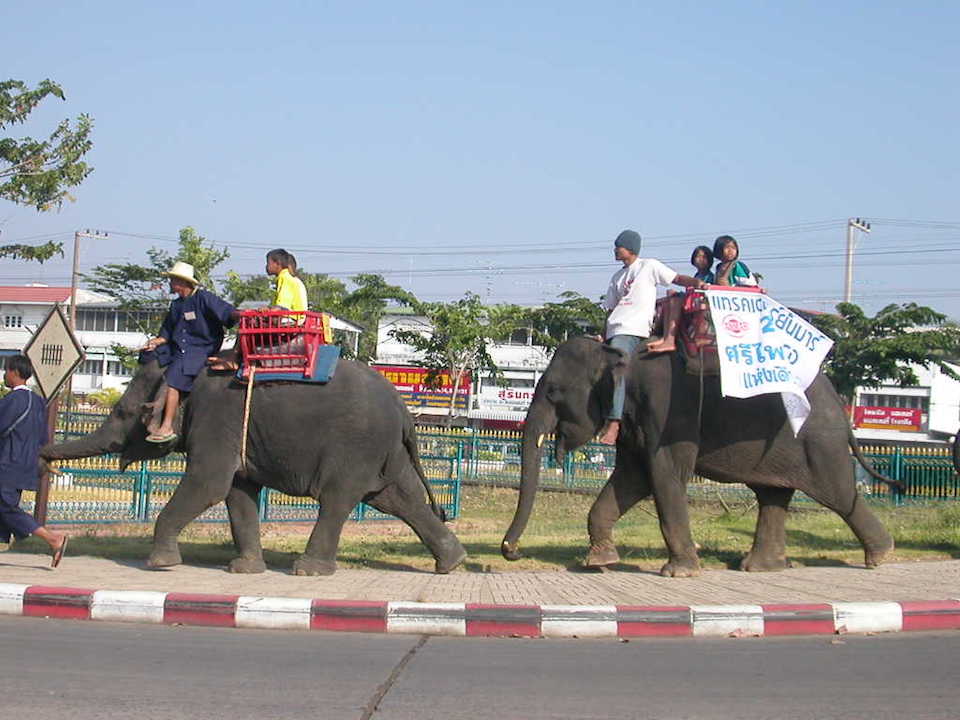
(630,303)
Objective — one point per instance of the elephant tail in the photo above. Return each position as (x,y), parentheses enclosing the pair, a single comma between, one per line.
(410,443)
(867,465)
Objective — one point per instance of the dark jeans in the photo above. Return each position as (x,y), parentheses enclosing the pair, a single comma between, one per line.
(628,344)
(12,518)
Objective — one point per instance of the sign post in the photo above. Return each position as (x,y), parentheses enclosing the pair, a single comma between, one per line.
(54,352)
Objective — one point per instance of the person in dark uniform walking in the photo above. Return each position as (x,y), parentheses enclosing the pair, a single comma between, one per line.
(23,430)
(192,331)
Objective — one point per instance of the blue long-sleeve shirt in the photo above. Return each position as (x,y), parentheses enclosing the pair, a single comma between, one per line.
(20,449)
(193,329)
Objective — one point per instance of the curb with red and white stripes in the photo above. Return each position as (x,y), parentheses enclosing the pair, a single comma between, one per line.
(597,621)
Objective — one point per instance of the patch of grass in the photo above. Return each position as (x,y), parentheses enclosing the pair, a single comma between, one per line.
(555,538)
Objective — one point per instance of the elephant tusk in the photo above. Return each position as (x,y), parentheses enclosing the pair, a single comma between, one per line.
(540,440)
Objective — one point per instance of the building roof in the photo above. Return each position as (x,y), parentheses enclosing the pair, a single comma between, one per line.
(46,295)
(33,294)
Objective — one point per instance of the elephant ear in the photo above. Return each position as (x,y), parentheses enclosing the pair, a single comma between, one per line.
(151,414)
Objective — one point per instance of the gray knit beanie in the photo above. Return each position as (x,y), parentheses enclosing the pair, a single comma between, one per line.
(629,240)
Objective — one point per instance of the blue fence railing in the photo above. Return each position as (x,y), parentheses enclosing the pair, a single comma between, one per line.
(93,490)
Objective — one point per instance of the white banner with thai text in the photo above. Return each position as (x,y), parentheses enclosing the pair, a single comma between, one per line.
(765,347)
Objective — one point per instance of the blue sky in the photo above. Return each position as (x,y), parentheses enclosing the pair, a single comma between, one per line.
(500,147)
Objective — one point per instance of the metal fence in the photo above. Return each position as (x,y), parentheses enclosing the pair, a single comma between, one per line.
(93,490)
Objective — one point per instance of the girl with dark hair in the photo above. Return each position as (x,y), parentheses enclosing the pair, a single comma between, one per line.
(730,270)
(702,260)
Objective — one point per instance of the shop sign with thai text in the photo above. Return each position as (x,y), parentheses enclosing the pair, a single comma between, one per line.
(885,418)
(411,383)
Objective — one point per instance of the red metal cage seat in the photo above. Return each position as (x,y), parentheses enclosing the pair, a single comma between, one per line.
(282,341)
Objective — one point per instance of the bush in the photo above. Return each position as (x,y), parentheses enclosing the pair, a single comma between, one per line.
(106,398)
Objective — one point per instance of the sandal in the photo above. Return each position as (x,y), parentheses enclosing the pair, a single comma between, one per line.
(159,439)
(58,553)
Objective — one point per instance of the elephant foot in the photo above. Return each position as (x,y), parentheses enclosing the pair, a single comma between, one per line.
(601,556)
(678,568)
(163,558)
(443,566)
(510,552)
(247,566)
(305,565)
(873,558)
(755,562)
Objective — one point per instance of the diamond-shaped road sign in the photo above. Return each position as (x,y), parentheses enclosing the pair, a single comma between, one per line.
(54,351)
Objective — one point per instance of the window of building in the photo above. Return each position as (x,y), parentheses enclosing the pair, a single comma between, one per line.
(908,402)
(91,367)
(115,367)
(13,321)
(520,336)
(521,382)
(96,320)
(139,321)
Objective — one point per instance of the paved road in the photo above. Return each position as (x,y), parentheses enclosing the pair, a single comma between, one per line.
(97,670)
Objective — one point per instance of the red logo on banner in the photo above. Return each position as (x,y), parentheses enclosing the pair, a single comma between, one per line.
(735,326)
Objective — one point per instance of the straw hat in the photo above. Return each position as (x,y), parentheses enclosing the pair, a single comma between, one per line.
(183,271)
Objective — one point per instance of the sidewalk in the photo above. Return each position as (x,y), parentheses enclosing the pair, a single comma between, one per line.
(613,602)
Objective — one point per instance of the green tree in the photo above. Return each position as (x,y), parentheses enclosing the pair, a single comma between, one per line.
(459,340)
(575,314)
(869,351)
(39,172)
(366,303)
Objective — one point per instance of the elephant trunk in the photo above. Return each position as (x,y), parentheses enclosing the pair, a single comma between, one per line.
(541,419)
(110,437)
(124,423)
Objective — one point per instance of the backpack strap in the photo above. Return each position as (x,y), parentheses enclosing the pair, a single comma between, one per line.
(6,433)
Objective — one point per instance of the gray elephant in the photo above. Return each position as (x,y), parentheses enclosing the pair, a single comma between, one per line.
(349,440)
(671,430)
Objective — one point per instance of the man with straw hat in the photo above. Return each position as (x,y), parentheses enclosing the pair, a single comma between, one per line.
(192,331)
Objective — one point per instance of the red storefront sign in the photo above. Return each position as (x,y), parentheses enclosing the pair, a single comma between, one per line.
(411,383)
(884,418)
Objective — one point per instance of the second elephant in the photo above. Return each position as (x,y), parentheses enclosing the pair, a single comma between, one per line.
(673,427)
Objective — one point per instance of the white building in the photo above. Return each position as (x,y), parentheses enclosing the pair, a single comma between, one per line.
(926,413)
(484,402)
(100,325)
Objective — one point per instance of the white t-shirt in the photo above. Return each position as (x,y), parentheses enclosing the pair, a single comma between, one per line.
(632,296)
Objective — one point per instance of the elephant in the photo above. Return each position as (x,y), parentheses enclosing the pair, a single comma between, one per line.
(349,440)
(675,424)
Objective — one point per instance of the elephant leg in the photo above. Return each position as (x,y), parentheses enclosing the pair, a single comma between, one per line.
(769,551)
(320,555)
(843,498)
(204,485)
(405,500)
(876,540)
(243,509)
(670,474)
(624,489)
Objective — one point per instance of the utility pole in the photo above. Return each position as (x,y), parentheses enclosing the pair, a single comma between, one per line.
(76,270)
(853,224)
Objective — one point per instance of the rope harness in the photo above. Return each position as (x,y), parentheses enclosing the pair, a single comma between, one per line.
(246,419)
